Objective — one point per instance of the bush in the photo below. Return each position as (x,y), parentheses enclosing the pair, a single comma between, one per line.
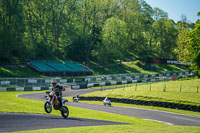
(139,63)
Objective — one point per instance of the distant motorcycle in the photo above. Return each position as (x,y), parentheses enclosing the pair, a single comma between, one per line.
(56,102)
(75,99)
(107,101)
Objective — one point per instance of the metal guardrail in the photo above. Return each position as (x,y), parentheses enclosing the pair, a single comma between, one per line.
(132,76)
(91,81)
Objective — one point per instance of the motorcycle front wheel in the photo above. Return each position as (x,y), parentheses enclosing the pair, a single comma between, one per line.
(64,111)
(47,107)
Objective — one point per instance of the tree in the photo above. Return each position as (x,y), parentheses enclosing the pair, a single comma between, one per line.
(114,38)
(193,46)
(11,30)
(84,30)
(159,14)
(165,37)
(181,50)
(198,14)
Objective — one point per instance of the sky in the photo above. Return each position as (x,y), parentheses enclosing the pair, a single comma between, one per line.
(175,8)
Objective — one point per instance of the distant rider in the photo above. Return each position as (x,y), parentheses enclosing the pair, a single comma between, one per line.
(106,101)
(75,99)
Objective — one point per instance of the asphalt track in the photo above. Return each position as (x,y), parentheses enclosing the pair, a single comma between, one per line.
(10,122)
(148,114)
(20,122)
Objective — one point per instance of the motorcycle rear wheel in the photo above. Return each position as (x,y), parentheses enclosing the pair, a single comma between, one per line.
(47,107)
(64,111)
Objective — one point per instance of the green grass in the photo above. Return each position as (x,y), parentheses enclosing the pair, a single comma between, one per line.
(24,71)
(131,67)
(18,71)
(154,92)
(144,128)
(10,103)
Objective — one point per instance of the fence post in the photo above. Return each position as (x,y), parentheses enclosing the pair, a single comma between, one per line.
(16,81)
(197,89)
(136,87)
(164,89)
(24,82)
(150,86)
(180,88)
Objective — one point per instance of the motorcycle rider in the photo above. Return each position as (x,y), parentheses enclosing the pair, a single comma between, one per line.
(76,98)
(57,89)
(106,101)
(54,98)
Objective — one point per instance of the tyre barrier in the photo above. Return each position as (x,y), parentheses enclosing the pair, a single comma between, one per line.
(170,105)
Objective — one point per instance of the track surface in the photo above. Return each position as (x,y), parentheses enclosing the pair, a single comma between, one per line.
(10,122)
(161,116)
(19,122)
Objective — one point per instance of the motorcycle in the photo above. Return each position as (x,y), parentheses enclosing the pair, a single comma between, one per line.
(75,99)
(57,102)
(106,101)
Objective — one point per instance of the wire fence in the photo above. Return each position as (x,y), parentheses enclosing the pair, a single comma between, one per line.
(185,86)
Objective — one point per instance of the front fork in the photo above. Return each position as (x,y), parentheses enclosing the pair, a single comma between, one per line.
(51,99)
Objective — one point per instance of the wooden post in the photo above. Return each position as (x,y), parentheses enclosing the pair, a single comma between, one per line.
(135,87)
(164,89)
(150,86)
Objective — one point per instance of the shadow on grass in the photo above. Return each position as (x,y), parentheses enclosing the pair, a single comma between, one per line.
(123,68)
(113,69)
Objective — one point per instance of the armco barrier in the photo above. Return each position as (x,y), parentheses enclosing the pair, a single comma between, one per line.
(106,84)
(134,79)
(81,83)
(25,89)
(147,103)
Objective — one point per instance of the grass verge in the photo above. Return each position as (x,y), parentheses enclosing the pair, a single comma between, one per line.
(10,103)
(183,91)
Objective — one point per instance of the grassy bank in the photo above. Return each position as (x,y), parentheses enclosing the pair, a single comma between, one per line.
(18,71)
(24,71)
(10,103)
(133,67)
(184,91)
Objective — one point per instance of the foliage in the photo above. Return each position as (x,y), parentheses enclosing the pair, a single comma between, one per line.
(182,51)
(188,44)
(139,63)
(165,37)
(193,46)
(84,30)
(114,37)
